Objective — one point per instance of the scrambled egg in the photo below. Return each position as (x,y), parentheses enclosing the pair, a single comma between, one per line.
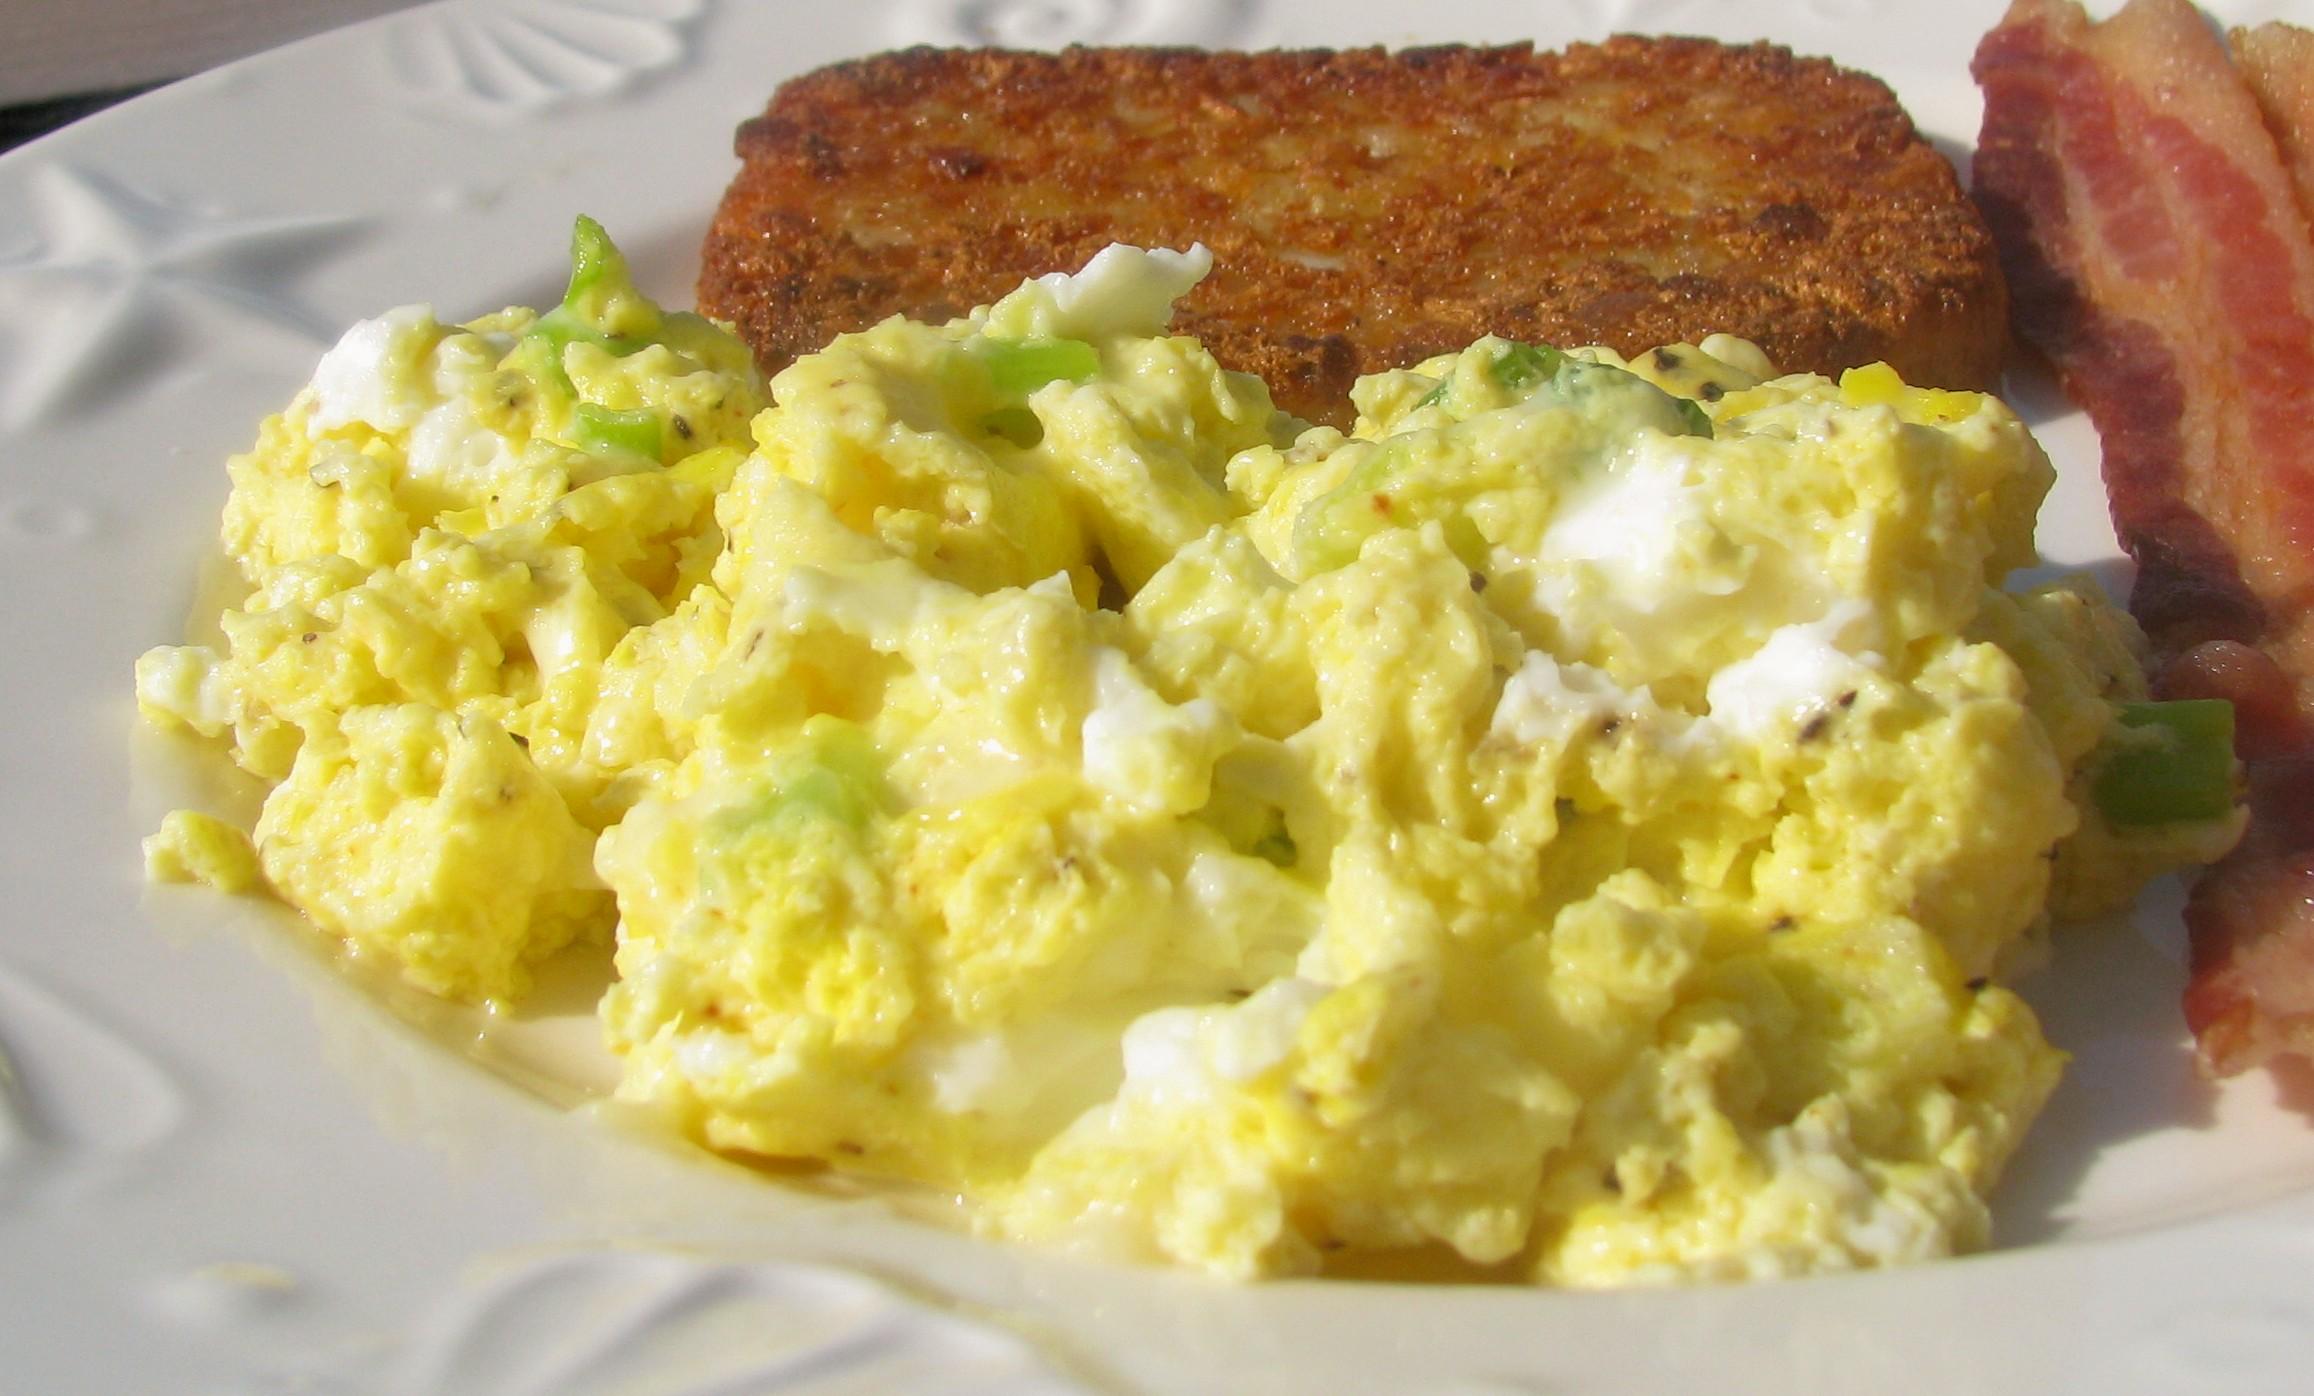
(1577,820)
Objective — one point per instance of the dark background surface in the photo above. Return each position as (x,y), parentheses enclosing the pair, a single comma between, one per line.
(21,123)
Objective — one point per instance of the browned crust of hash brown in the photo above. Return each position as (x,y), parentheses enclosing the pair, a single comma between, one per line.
(1367,209)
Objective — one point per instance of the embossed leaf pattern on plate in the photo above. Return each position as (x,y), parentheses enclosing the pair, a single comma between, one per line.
(1222,23)
(517,58)
(630,1321)
(76,1095)
(114,281)
(1055,23)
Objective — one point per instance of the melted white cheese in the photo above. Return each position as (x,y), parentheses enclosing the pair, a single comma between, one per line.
(1637,525)
(1189,1056)
(1123,291)
(370,374)
(1801,670)
(1134,741)
(1546,703)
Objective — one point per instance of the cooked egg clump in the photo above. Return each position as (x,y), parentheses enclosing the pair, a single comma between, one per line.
(459,545)
(1576,821)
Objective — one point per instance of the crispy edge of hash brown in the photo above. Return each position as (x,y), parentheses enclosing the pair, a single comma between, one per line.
(1367,208)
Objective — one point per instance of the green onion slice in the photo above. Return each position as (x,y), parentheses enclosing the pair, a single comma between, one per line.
(609,431)
(1021,366)
(2175,765)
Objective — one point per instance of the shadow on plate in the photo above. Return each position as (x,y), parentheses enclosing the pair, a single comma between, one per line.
(2110,998)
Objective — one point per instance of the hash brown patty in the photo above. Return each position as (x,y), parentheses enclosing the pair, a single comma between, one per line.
(1367,209)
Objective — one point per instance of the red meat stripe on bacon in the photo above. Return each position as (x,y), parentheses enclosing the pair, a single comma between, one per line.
(2157,257)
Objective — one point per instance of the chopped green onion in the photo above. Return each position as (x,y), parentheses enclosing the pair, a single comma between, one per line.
(601,294)
(1518,367)
(1021,366)
(1524,365)
(554,332)
(2175,764)
(838,795)
(593,259)
(607,431)
(1698,420)
(816,806)
(834,776)
(600,306)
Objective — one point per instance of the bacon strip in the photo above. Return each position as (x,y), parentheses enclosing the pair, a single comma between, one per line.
(2157,255)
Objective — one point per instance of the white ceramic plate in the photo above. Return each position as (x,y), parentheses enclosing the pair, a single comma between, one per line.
(225,1167)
